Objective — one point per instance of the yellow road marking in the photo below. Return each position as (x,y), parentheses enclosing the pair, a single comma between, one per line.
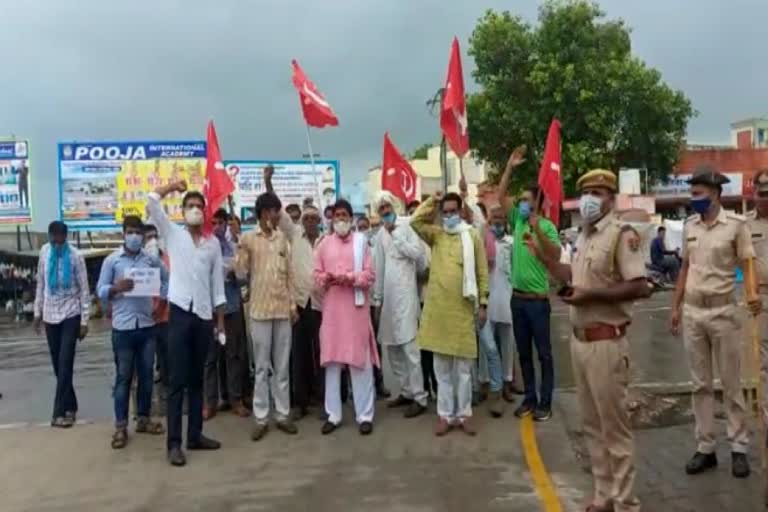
(541,481)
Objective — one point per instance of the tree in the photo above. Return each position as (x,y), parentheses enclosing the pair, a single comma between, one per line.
(576,66)
(421,152)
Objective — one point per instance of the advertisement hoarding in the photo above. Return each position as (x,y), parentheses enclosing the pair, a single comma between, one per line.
(15,200)
(101,182)
(294,181)
(677,186)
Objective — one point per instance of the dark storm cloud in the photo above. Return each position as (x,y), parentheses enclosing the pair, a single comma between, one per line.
(141,70)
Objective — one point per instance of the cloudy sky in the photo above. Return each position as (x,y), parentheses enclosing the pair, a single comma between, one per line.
(106,70)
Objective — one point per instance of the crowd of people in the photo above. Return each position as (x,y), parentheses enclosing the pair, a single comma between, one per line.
(452,294)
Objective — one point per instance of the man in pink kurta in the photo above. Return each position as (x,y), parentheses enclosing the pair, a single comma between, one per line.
(343,270)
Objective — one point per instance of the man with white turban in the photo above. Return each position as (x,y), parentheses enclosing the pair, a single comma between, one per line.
(398,256)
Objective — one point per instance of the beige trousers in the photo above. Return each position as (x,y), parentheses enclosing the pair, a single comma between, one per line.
(714,335)
(601,371)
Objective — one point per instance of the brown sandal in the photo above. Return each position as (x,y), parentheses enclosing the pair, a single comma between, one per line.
(119,439)
(146,426)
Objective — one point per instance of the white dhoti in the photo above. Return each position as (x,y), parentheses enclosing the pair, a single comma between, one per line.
(363,392)
(454,387)
(405,361)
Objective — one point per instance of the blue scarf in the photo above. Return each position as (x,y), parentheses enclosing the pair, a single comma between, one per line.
(58,258)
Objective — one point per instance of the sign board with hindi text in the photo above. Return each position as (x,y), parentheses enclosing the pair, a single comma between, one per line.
(101,182)
(677,186)
(294,181)
(15,201)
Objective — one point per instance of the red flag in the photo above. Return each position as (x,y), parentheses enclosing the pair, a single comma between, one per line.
(217,184)
(317,111)
(397,175)
(453,111)
(550,183)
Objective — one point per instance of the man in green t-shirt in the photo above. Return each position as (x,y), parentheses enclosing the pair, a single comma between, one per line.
(530,291)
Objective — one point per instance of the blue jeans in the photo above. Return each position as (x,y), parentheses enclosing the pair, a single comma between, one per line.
(530,322)
(489,351)
(134,349)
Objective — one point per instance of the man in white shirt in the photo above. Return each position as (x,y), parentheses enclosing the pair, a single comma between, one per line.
(398,255)
(196,288)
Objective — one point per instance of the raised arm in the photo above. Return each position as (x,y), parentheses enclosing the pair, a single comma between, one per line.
(515,159)
(422,221)
(285,223)
(155,210)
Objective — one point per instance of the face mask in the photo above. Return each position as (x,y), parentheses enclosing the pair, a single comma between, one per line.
(193,216)
(389,218)
(589,208)
(153,248)
(524,209)
(497,230)
(133,242)
(701,204)
(342,227)
(451,222)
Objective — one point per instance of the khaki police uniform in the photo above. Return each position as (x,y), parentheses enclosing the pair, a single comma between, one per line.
(711,325)
(759,230)
(600,356)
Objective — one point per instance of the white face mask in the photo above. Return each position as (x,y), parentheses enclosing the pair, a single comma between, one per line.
(342,227)
(589,208)
(153,248)
(193,216)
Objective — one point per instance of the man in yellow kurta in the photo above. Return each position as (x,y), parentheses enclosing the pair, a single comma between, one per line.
(457,294)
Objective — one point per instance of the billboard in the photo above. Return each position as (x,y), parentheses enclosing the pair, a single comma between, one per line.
(15,202)
(101,182)
(294,181)
(677,186)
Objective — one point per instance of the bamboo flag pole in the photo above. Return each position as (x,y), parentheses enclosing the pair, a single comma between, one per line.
(318,192)
(750,291)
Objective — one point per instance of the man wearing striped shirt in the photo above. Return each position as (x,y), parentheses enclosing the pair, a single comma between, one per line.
(61,303)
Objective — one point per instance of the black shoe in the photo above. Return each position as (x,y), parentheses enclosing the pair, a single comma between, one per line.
(382,393)
(203,443)
(700,463)
(176,457)
(525,409)
(328,427)
(400,401)
(366,428)
(415,409)
(542,413)
(739,465)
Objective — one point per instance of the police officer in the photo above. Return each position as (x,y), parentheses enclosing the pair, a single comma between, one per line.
(607,274)
(714,243)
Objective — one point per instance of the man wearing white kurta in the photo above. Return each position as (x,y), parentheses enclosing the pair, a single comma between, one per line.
(399,255)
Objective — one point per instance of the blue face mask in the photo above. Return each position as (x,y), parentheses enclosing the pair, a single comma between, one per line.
(451,221)
(524,209)
(497,230)
(133,242)
(701,205)
(389,218)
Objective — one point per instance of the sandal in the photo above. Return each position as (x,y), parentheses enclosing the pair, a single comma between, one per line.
(61,422)
(145,426)
(119,439)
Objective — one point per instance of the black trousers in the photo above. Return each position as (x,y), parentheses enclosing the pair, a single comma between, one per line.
(188,339)
(378,375)
(62,341)
(307,377)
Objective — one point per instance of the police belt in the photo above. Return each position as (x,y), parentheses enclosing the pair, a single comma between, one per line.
(709,301)
(599,332)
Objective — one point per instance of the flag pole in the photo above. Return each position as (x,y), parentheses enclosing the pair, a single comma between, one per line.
(318,192)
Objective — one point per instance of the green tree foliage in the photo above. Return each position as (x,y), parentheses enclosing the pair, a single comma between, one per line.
(577,66)
(421,152)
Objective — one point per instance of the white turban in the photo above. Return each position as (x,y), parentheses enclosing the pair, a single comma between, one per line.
(386,197)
